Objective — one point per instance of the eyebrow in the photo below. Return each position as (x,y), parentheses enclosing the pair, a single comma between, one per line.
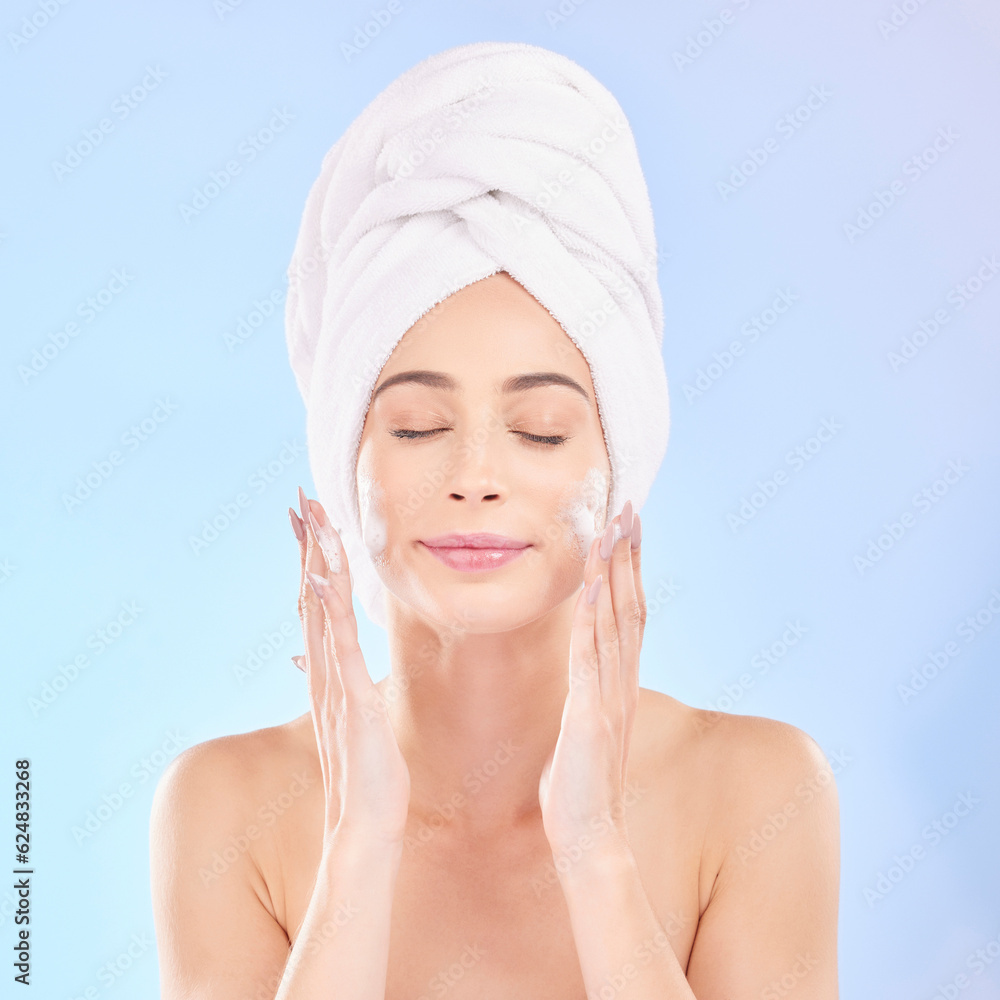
(516,383)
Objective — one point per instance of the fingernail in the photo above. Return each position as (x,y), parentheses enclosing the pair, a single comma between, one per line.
(608,541)
(594,588)
(300,531)
(317,583)
(300,662)
(303,504)
(626,519)
(636,532)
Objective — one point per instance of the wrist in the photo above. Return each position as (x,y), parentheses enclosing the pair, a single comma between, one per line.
(361,844)
(589,855)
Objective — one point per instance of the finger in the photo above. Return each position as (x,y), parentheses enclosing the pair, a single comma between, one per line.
(348,659)
(332,547)
(334,555)
(325,691)
(636,553)
(626,604)
(606,625)
(639,611)
(300,537)
(584,679)
(326,701)
(297,526)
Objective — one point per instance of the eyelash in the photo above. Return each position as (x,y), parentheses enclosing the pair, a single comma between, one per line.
(554,441)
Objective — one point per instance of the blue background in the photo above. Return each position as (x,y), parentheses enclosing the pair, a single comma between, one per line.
(236,422)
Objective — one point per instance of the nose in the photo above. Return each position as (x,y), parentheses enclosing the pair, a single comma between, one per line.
(478,473)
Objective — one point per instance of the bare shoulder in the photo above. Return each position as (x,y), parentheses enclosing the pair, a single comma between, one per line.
(742,768)
(757,751)
(221,780)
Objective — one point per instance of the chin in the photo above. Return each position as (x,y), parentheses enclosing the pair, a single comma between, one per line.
(490,603)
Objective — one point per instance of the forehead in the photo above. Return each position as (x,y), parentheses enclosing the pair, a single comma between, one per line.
(484,333)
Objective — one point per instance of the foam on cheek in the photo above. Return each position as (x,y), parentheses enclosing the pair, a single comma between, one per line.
(584,509)
(373,526)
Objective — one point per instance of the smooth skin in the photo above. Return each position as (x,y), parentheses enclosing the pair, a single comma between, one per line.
(507,812)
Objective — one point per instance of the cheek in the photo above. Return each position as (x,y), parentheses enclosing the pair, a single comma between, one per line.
(583,509)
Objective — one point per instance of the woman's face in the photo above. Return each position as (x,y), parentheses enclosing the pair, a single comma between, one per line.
(475,426)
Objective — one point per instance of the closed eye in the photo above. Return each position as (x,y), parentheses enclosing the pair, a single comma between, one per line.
(534,438)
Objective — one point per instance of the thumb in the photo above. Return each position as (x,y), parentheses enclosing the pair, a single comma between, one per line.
(543,781)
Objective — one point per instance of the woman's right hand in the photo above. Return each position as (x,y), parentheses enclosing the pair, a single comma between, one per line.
(365,778)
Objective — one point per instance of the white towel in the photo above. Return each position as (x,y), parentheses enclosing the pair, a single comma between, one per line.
(485,157)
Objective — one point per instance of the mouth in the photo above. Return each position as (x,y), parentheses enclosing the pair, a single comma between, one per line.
(475,553)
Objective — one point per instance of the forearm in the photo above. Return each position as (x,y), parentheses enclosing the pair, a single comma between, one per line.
(342,948)
(620,941)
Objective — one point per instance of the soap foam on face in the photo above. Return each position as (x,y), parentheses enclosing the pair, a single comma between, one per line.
(374,531)
(584,509)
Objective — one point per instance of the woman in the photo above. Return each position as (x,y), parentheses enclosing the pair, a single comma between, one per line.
(507,813)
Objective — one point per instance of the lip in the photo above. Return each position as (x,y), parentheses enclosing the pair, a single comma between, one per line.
(478,540)
(475,553)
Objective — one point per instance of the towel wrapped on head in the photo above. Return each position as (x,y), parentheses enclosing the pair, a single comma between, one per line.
(493,156)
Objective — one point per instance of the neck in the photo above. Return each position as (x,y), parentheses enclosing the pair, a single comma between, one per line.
(476,716)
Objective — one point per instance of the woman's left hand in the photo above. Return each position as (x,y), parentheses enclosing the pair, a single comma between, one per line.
(583,782)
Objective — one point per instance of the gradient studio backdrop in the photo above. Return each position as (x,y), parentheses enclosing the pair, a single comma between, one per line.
(864,565)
